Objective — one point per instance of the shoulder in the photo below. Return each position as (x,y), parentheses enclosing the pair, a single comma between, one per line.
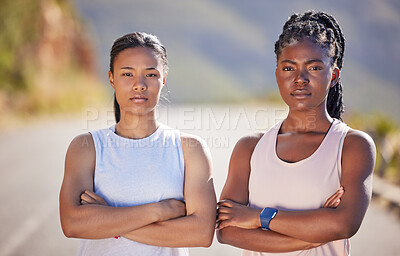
(357,140)
(359,153)
(194,146)
(247,143)
(83,141)
(190,140)
(81,146)
(81,156)
(243,151)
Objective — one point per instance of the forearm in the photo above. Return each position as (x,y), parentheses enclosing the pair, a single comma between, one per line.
(316,226)
(98,221)
(187,231)
(261,240)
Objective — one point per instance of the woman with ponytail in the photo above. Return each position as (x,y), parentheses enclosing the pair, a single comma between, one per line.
(302,187)
(138,187)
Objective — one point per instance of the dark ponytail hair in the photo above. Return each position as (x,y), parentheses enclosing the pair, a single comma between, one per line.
(321,28)
(136,39)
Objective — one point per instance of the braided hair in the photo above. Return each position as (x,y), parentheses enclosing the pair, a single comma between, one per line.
(136,39)
(322,29)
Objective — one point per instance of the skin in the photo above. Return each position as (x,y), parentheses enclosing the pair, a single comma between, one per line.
(137,80)
(304,75)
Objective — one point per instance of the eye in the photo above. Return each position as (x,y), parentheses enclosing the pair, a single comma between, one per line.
(127,74)
(315,68)
(287,69)
(151,75)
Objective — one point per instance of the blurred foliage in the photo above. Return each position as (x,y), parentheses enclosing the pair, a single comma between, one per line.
(46,59)
(386,134)
(19,27)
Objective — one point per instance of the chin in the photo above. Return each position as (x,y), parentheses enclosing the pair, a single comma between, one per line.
(139,110)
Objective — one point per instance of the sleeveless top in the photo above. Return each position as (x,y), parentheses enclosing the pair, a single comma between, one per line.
(302,185)
(132,172)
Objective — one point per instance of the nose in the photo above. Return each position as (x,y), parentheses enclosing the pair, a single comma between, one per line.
(302,78)
(139,84)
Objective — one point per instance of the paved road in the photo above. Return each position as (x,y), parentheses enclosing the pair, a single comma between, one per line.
(32,158)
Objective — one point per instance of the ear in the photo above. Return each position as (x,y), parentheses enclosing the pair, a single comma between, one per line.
(111,79)
(335,76)
(165,78)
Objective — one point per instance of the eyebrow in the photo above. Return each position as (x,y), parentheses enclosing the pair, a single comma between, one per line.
(314,60)
(288,61)
(307,62)
(150,68)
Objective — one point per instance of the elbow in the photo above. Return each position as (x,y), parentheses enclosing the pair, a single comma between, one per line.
(206,241)
(206,238)
(221,236)
(67,230)
(70,226)
(350,231)
(69,234)
(346,230)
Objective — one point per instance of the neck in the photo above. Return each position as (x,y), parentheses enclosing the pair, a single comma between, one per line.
(306,121)
(136,126)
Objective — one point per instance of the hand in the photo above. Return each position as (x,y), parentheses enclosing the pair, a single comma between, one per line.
(334,200)
(171,209)
(231,213)
(89,197)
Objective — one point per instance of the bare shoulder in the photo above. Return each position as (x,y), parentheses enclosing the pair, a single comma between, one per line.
(81,153)
(247,143)
(358,155)
(357,140)
(193,144)
(195,151)
(82,143)
(192,141)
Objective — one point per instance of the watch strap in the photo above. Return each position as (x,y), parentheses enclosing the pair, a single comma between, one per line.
(267,214)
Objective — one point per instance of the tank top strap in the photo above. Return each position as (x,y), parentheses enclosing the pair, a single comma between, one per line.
(342,130)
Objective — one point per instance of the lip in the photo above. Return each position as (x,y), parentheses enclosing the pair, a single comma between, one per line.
(301,94)
(138,99)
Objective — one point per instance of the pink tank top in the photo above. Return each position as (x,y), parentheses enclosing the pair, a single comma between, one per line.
(303,185)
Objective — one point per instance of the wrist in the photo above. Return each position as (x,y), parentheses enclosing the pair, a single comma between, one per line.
(257,218)
(157,212)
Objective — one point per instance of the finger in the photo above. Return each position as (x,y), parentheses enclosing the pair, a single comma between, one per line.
(224,209)
(331,200)
(226,203)
(101,200)
(223,216)
(336,203)
(83,202)
(87,198)
(93,195)
(336,196)
(224,224)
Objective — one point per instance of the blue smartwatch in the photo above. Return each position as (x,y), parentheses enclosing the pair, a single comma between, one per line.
(266,216)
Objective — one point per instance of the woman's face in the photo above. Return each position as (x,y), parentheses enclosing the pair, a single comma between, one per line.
(137,80)
(304,75)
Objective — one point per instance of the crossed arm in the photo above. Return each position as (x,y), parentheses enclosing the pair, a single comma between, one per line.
(166,223)
(239,225)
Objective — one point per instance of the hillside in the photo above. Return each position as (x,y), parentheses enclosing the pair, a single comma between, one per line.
(45,58)
(223,50)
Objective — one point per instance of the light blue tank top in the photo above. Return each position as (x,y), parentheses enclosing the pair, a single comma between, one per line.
(132,172)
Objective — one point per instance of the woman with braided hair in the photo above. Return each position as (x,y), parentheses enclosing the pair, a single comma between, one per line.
(302,187)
